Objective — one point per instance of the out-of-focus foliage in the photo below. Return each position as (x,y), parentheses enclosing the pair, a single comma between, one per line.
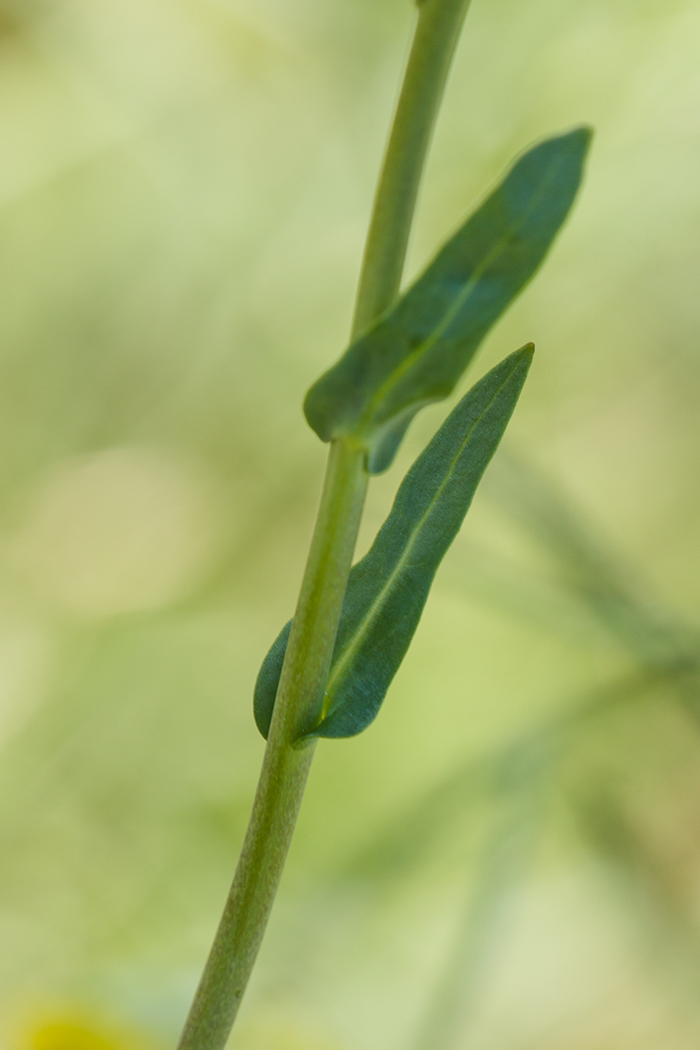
(510,857)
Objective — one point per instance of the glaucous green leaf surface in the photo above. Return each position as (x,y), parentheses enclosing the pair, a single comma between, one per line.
(388,588)
(418,350)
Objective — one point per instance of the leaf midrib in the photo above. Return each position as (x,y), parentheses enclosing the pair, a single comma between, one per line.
(407,363)
(376,606)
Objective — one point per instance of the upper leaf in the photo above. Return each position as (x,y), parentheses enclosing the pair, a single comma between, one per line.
(419,348)
(388,588)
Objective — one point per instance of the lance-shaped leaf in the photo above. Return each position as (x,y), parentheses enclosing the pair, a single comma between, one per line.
(418,350)
(388,588)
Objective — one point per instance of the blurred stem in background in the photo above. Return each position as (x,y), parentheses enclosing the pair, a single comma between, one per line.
(519,781)
(301,692)
(511,842)
(655,638)
(519,776)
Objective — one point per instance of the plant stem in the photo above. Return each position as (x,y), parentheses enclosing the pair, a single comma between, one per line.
(434,43)
(301,691)
(286,764)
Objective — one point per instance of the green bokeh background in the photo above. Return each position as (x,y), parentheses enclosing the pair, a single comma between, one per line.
(184,191)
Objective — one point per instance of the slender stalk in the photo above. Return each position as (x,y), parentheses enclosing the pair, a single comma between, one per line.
(301,691)
(286,764)
(434,43)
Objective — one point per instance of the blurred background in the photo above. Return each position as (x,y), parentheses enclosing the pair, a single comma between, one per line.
(510,857)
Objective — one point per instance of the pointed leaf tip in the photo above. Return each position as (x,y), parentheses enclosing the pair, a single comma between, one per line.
(417,351)
(388,588)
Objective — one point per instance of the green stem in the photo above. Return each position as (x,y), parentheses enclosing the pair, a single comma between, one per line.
(436,36)
(301,691)
(286,764)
